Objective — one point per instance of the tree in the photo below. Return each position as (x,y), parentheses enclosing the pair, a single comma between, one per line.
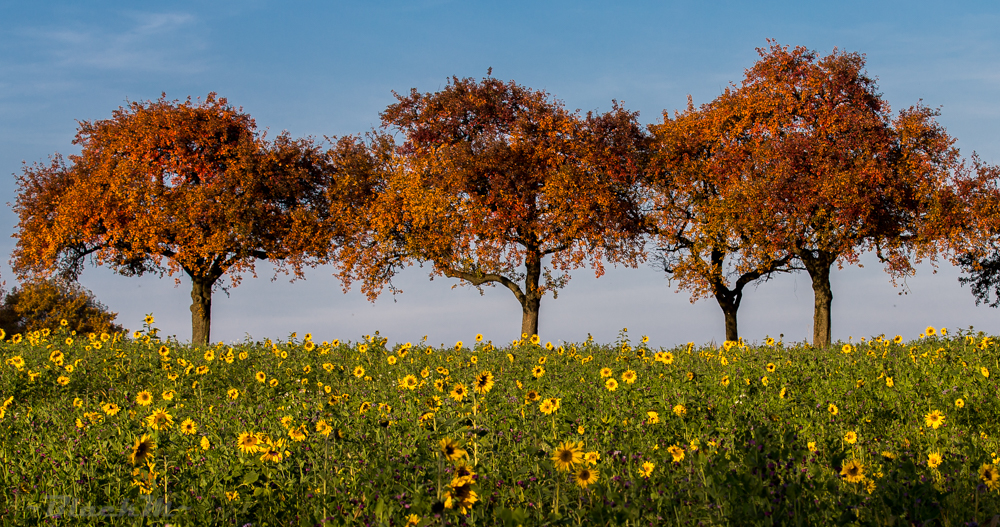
(697,226)
(829,174)
(44,304)
(490,179)
(978,254)
(171,186)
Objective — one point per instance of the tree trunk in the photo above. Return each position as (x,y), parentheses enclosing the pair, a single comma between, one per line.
(529,316)
(531,300)
(818,265)
(201,310)
(732,331)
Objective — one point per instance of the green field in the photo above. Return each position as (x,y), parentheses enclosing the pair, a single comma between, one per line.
(129,430)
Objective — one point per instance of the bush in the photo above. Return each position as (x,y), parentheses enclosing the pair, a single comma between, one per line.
(46,303)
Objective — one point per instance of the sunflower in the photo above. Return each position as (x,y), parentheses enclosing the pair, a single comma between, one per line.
(546,407)
(652,417)
(898,339)
(690,375)
(460,494)
(248,443)
(668,358)
(605,373)
(611,385)
(535,339)
(771,367)
(592,457)
(763,380)
(160,419)
(424,373)
(298,433)
(272,383)
(110,408)
(990,476)
(63,380)
(933,460)
(451,450)
(984,372)
(889,382)
(585,476)
(783,392)
(851,437)
(725,380)
(484,382)
(201,370)
(233,393)
(479,337)
(676,452)
(188,427)
(537,372)
(532,396)
(458,392)
(567,454)
(205,444)
(647,469)
(323,428)
(142,448)
(144,398)
(261,377)
(680,410)
(832,409)
(209,355)
(853,471)
(930,331)
(811,445)
(150,319)
(934,419)
(959,403)
(629,376)
(273,451)
(439,385)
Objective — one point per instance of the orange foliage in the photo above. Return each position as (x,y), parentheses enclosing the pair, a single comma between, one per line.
(170,186)
(491,178)
(827,173)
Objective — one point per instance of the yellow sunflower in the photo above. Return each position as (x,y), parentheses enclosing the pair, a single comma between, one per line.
(629,376)
(143,447)
(160,419)
(484,382)
(261,377)
(144,398)
(934,419)
(647,469)
(605,373)
(853,471)
(567,454)
(458,392)
(188,427)
(990,476)
(585,476)
(451,450)
(934,460)
(247,442)
(460,494)
(611,385)
(676,452)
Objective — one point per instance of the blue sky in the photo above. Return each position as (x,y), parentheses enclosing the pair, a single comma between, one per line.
(329,68)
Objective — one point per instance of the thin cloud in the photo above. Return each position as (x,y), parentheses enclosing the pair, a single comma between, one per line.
(148,42)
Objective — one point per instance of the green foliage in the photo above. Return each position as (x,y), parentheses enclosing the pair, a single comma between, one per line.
(46,303)
(772,446)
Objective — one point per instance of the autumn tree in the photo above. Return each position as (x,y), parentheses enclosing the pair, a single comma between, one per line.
(168,187)
(490,179)
(41,304)
(697,226)
(828,173)
(978,252)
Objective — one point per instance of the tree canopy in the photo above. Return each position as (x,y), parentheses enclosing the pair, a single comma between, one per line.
(169,186)
(828,173)
(697,222)
(490,179)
